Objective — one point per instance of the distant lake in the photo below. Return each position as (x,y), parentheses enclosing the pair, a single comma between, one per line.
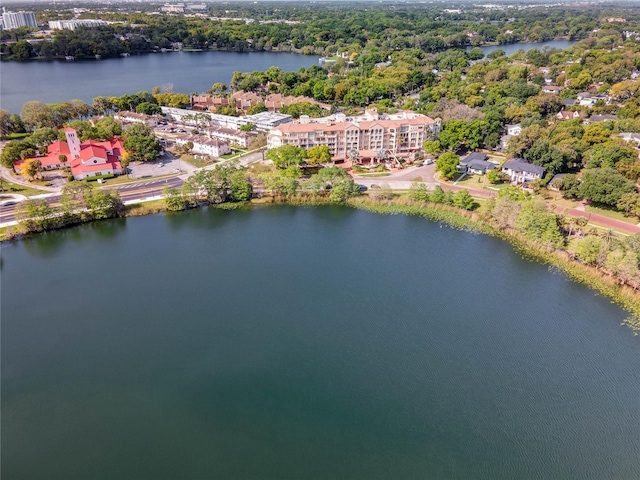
(188,72)
(512,48)
(307,343)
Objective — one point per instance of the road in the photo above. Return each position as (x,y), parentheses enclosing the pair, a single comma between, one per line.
(129,192)
(402,180)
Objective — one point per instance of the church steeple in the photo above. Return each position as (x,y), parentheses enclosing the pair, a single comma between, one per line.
(73,141)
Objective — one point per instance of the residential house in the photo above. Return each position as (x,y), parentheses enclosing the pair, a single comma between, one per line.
(475,163)
(133,117)
(363,137)
(566,115)
(569,102)
(551,89)
(504,142)
(600,118)
(587,99)
(631,137)
(208,102)
(230,135)
(205,146)
(521,172)
(514,130)
(245,100)
(86,159)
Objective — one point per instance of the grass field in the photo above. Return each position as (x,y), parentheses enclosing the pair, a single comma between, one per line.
(8,187)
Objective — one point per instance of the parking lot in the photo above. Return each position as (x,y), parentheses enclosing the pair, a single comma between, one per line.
(165,165)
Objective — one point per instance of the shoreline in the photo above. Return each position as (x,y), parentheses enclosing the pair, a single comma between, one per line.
(469,221)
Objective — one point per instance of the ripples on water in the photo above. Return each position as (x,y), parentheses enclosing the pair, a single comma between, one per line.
(307,343)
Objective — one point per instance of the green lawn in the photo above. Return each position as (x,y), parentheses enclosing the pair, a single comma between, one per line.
(473,181)
(198,162)
(8,187)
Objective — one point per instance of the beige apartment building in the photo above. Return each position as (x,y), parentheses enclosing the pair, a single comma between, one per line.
(367,138)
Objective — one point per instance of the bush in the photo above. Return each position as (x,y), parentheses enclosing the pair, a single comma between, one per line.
(93,179)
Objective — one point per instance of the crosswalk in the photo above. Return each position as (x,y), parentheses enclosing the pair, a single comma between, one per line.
(137,185)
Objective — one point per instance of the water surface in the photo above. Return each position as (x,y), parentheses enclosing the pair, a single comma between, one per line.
(187,72)
(321,343)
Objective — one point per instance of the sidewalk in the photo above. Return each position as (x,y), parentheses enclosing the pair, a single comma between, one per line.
(607,222)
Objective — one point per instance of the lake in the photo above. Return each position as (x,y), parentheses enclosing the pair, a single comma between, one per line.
(315,343)
(188,72)
(512,48)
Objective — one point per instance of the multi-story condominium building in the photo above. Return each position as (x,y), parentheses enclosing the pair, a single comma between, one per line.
(370,136)
(11,20)
(205,146)
(263,121)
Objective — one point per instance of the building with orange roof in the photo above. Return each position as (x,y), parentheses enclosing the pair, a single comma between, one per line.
(364,137)
(86,159)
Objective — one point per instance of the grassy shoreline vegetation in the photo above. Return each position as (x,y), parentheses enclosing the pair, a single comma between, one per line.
(472,221)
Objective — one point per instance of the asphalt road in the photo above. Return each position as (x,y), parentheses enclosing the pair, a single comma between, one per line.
(129,192)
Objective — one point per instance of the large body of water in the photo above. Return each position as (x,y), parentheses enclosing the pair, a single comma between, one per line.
(315,343)
(512,48)
(188,72)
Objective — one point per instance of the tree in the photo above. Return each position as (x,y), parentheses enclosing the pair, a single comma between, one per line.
(539,224)
(278,184)
(240,189)
(318,155)
(257,108)
(218,87)
(496,176)
(476,53)
(630,204)
(174,201)
(437,195)
(569,185)
(447,165)
(544,154)
(590,249)
(463,199)
(29,168)
(248,127)
(505,211)
(5,124)
(608,155)
(342,189)
(432,146)
(604,185)
(36,114)
(12,152)
(149,108)
(187,147)
(287,156)
(141,144)
(107,128)
(34,216)
(418,192)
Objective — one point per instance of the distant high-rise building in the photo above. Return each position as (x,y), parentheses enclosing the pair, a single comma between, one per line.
(11,20)
(75,23)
